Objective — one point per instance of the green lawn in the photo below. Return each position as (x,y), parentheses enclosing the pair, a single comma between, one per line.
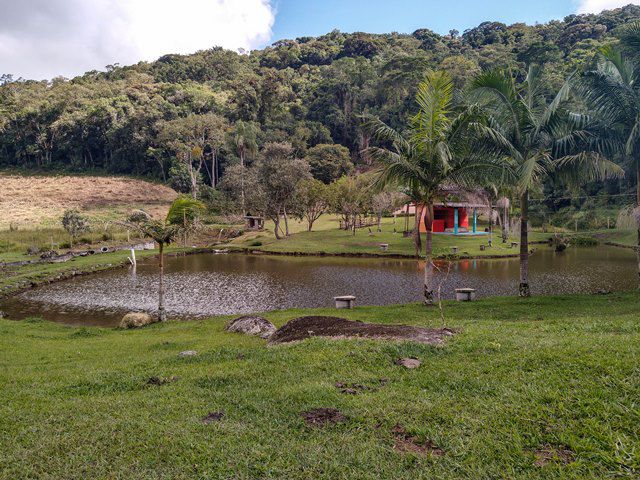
(623,237)
(327,238)
(521,375)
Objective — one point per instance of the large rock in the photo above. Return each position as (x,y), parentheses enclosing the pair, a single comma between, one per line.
(250,325)
(137,320)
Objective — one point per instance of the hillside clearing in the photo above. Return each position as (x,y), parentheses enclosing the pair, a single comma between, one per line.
(39,201)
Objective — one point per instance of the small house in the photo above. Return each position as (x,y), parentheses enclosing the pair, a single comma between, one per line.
(453,217)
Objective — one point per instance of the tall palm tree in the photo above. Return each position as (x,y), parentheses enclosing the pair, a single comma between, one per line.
(182,217)
(435,152)
(612,90)
(536,139)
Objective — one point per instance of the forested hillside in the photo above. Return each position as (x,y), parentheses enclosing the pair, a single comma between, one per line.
(221,105)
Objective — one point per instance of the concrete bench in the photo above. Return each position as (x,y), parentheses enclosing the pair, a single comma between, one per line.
(384,247)
(345,301)
(454,249)
(465,294)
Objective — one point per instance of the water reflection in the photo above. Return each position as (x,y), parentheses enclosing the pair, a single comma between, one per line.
(205,285)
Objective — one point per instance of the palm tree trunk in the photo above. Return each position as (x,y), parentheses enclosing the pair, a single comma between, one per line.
(505,225)
(417,239)
(162,315)
(524,289)
(636,216)
(428,257)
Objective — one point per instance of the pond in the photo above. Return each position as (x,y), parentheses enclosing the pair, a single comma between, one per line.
(205,285)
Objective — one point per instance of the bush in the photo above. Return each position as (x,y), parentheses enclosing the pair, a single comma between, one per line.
(74,223)
(65,245)
(106,237)
(85,240)
(255,244)
(583,241)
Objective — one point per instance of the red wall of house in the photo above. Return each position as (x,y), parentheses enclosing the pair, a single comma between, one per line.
(440,226)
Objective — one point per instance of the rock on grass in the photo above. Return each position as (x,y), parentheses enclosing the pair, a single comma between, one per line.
(252,325)
(137,320)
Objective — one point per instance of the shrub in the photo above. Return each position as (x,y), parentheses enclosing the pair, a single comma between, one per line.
(583,241)
(256,244)
(106,237)
(65,245)
(74,223)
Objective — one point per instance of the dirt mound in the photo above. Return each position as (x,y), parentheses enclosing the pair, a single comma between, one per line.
(553,453)
(407,443)
(159,381)
(334,327)
(212,417)
(319,417)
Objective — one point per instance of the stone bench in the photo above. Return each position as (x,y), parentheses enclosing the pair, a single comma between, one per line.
(345,301)
(454,250)
(465,294)
(384,247)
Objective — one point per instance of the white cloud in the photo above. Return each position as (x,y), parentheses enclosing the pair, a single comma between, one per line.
(45,38)
(596,6)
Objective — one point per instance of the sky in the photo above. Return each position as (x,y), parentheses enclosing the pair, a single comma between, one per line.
(42,39)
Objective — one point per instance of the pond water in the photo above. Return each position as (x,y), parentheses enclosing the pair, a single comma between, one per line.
(206,285)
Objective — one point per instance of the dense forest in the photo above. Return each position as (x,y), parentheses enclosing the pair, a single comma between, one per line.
(310,92)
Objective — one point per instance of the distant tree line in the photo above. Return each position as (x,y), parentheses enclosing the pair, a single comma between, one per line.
(188,119)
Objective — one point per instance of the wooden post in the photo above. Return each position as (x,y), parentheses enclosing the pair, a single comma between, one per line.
(576,225)
(133,258)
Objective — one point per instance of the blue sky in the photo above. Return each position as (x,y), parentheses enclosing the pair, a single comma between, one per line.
(295,18)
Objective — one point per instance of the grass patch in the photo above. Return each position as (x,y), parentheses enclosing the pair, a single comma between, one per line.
(524,380)
(328,239)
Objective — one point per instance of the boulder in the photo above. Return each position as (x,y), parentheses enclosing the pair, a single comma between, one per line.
(137,320)
(250,325)
(408,362)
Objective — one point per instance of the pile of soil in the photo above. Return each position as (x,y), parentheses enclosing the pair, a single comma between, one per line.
(212,417)
(159,381)
(406,443)
(319,417)
(553,453)
(334,327)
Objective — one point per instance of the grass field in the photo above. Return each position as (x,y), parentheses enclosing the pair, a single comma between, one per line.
(29,202)
(623,237)
(522,376)
(327,238)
